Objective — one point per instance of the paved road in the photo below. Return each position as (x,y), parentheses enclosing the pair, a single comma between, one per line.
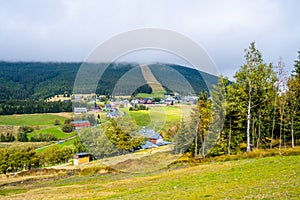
(59,142)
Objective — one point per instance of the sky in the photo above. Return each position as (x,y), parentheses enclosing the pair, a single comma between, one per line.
(69,30)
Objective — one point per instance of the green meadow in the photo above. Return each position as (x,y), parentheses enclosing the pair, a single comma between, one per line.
(158,94)
(158,117)
(30,119)
(69,143)
(56,131)
(276,177)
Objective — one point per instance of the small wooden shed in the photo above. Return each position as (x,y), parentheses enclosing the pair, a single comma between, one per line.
(81,158)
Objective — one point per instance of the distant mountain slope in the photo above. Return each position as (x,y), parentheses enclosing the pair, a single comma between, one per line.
(182,79)
(23,80)
(37,80)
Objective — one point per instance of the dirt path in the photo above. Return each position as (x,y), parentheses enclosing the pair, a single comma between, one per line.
(63,114)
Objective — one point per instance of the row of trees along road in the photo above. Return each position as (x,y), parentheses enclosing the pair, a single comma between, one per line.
(24,157)
(261,109)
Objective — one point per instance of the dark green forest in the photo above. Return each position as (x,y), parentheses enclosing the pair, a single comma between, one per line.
(24,86)
(37,80)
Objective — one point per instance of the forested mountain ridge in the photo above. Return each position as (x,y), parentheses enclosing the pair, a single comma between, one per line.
(34,80)
(40,80)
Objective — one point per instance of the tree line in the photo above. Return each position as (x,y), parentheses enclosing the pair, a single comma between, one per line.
(41,80)
(22,135)
(17,158)
(9,107)
(259,109)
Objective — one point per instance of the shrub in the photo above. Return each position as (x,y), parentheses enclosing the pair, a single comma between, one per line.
(291,151)
(138,107)
(25,129)
(43,138)
(56,122)
(22,137)
(8,138)
(67,128)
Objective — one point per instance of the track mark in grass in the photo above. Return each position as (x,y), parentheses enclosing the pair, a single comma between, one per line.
(8,191)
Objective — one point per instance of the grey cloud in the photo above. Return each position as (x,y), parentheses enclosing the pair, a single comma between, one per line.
(68,30)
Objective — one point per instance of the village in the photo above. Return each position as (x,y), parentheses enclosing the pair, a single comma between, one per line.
(103,109)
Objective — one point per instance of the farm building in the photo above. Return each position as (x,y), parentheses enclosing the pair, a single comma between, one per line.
(154,139)
(114,113)
(81,158)
(77,98)
(147,101)
(148,145)
(190,99)
(78,124)
(80,110)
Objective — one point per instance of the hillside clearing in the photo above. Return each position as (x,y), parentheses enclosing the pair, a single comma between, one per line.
(151,80)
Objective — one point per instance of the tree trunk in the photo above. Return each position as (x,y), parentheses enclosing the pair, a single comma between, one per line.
(248,121)
(253,131)
(292,131)
(203,148)
(284,138)
(229,138)
(258,137)
(273,126)
(281,122)
(196,142)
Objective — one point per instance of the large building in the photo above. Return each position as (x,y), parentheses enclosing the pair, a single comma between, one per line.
(78,124)
(80,110)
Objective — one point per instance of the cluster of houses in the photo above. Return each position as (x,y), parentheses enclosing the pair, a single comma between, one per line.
(113,105)
(168,100)
(153,140)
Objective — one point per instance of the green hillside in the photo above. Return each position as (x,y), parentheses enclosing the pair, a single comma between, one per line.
(262,178)
(38,80)
(30,120)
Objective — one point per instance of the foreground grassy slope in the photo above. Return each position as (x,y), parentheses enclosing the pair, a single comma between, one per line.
(262,178)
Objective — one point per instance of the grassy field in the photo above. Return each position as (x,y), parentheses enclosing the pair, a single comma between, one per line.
(56,131)
(260,178)
(58,98)
(152,95)
(160,117)
(69,143)
(30,119)
(24,144)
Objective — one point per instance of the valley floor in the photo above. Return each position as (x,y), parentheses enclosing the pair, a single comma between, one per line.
(275,177)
